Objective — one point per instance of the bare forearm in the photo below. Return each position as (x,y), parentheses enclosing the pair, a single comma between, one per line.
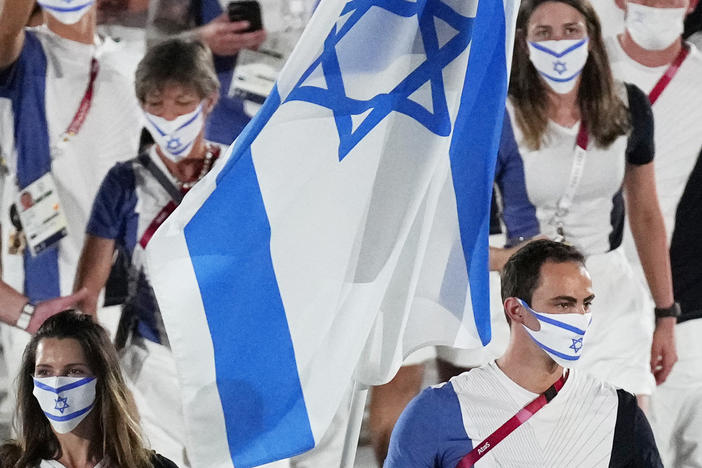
(93,270)
(11,303)
(650,237)
(14,16)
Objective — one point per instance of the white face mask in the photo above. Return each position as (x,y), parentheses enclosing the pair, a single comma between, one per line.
(65,401)
(66,11)
(654,28)
(175,137)
(561,335)
(559,62)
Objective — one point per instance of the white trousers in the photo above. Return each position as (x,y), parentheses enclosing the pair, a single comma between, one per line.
(676,405)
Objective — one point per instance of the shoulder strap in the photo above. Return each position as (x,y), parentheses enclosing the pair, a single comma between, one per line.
(145,160)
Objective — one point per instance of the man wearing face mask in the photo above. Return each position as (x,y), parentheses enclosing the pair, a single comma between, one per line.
(66,116)
(652,54)
(526,409)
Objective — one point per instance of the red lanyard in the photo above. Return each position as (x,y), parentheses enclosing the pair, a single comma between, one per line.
(582,137)
(157,222)
(669,74)
(514,422)
(84,107)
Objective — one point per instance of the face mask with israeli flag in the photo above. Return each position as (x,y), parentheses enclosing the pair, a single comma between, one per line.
(175,137)
(560,335)
(66,11)
(65,401)
(559,62)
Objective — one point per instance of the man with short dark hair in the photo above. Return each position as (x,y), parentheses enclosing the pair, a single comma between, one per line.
(525,409)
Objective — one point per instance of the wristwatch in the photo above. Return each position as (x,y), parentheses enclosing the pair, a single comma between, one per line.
(25,316)
(672,311)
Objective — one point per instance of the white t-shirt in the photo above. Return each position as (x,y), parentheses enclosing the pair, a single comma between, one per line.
(109,134)
(56,464)
(677,115)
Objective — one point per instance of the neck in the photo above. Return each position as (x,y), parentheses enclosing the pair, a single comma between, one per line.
(185,170)
(528,366)
(83,31)
(76,447)
(563,108)
(649,58)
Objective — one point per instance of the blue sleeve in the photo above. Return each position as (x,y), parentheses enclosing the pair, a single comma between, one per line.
(518,214)
(430,432)
(114,203)
(24,84)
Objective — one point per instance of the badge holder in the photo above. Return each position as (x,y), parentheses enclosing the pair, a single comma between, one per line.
(40,214)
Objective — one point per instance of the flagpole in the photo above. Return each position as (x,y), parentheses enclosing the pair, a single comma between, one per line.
(358,404)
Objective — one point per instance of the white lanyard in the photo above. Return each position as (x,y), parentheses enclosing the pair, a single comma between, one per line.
(576,174)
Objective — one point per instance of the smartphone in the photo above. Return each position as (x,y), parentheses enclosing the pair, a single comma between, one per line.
(246,10)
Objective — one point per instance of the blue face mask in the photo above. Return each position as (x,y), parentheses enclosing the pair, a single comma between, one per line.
(66,11)
(560,335)
(559,62)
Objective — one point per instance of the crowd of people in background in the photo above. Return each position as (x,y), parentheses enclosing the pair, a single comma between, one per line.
(110,111)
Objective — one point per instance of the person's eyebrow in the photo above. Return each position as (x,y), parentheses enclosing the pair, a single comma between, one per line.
(564,298)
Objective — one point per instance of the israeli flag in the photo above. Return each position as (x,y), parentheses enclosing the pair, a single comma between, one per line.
(346,227)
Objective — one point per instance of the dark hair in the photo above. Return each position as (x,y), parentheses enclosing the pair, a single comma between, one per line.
(176,61)
(600,107)
(117,436)
(522,272)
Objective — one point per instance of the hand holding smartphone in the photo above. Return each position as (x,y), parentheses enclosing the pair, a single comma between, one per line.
(246,10)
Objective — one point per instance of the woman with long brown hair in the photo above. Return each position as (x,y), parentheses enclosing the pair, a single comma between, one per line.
(587,149)
(73,407)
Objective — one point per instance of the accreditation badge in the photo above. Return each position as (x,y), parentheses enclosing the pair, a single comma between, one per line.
(40,213)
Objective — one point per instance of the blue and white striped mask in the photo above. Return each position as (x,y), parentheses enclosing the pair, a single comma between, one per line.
(559,62)
(561,335)
(65,401)
(175,137)
(66,11)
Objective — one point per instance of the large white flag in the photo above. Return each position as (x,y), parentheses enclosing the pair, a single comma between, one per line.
(346,227)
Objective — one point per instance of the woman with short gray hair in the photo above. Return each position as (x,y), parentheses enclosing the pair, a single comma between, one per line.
(177,88)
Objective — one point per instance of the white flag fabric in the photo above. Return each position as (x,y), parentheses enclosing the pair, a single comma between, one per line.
(346,227)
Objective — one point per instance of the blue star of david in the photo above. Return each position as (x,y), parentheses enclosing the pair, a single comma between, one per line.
(577,344)
(559,67)
(397,99)
(173,144)
(61,404)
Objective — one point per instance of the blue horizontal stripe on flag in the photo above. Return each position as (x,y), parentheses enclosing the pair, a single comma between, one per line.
(68,417)
(257,376)
(473,150)
(51,389)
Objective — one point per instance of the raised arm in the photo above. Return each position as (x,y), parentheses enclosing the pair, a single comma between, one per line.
(13,17)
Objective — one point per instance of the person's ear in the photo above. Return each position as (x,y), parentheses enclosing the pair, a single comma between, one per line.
(210,102)
(514,310)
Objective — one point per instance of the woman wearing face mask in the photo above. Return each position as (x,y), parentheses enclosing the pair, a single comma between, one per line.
(73,408)
(585,141)
(177,87)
